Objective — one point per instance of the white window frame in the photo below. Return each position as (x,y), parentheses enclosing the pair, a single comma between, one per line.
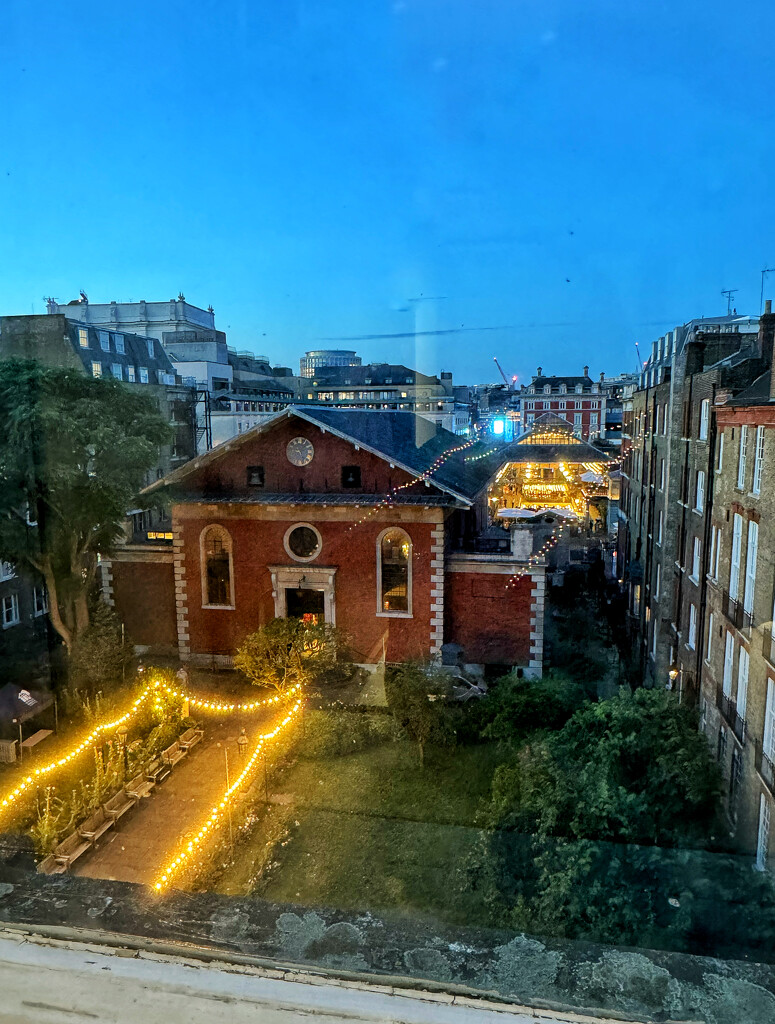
(763,834)
(227,543)
(7,570)
(10,610)
(720,460)
(96,368)
(118,341)
(104,340)
(131,374)
(150,348)
(743,663)
(734,561)
(696,560)
(287,536)
(758,461)
(143,375)
(117,370)
(704,419)
(742,457)
(40,600)
(83,337)
(751,557)
(709,643)
(662,474)
(692,641)
(768,738)
(699,492)
(660,522)
(408,614)
(729,663)
(658,582)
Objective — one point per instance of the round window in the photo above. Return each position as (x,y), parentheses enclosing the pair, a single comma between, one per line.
(303,542)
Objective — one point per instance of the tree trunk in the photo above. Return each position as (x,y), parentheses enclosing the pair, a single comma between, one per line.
(421,749)
(53,606)
(81,612)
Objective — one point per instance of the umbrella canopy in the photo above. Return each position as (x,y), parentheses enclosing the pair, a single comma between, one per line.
(592,478)
(20,704)
(532,513)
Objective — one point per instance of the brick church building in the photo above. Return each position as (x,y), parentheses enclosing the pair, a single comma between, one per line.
(376,522)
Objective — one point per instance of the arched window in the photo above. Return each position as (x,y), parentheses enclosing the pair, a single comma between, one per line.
(394,573)
(217,569)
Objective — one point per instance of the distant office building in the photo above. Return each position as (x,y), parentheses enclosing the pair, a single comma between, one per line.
(390,386)
(320,358)
(160,320)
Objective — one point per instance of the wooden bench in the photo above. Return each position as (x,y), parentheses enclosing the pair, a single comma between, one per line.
(190,738)
(70,849)
(51,866)
(139,787)
(119,804)
(96,825)
(157,771)
(173,754)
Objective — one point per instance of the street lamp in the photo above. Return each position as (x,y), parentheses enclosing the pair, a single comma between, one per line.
(121,732)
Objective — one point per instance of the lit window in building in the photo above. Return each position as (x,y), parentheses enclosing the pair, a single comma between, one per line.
(130,374)
(394,564)
(143,375)
(96,369)
(216,574)
(83,337)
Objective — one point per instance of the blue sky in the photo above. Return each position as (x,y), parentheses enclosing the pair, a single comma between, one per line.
(552,180)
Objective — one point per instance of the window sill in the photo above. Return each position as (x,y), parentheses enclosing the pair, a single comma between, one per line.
(218,607)
(395,615)
(699,511)
(10,625)
(695,580)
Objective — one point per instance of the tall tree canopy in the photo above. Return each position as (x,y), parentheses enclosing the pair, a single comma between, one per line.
(74,452)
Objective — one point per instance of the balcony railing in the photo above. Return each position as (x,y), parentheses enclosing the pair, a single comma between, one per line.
(766,768)
(768,648)
(735,612)
(728,708)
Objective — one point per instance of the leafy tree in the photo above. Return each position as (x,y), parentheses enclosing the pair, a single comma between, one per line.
(74,454)
(631,769)
(289,651)
(99,653)
(515,707)
(416,694)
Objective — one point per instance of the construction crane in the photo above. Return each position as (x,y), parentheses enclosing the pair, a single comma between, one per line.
(500,370)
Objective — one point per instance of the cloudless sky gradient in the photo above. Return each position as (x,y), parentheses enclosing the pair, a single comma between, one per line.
(551,180)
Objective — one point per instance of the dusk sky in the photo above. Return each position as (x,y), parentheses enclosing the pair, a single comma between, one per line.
(551,181)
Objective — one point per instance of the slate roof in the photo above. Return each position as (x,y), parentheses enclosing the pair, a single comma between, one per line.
(411,442)
(575,453)
(374,373)
(757,393)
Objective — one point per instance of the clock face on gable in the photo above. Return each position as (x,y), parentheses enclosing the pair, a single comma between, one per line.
(300,451)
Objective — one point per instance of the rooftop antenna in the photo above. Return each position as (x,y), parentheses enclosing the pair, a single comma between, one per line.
(765,271)
(729,292)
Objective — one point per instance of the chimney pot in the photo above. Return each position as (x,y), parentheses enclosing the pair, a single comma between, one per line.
(586,371)
(602,376)
(540,371)
(768,305)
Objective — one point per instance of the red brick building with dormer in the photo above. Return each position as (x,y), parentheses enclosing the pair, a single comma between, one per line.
(367,520)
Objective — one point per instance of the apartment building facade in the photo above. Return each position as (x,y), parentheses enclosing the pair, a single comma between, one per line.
(578,400)
(737,701)
(669,435)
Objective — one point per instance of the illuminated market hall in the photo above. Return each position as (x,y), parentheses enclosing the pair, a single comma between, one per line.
(550,470)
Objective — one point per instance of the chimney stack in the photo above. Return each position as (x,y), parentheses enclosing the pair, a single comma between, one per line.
(586,371)
(602,376)
(766,340)
(540,371)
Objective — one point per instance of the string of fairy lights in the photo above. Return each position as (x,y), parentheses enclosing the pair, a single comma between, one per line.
(151,691)
(218,816)
(387,501)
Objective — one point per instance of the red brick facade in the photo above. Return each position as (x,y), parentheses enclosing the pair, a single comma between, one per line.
(254,512)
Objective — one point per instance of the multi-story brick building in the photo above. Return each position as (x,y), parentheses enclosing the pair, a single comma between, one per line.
(365,519)
(669,433)
(578,400)
(738,643)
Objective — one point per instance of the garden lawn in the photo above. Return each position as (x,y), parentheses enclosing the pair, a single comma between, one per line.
(377,832)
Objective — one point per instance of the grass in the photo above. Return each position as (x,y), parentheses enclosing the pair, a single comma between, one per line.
(376,832)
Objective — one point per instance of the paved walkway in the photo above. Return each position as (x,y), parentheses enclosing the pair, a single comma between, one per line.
(141,842)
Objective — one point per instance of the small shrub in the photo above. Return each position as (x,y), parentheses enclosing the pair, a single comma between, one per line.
(332,733)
